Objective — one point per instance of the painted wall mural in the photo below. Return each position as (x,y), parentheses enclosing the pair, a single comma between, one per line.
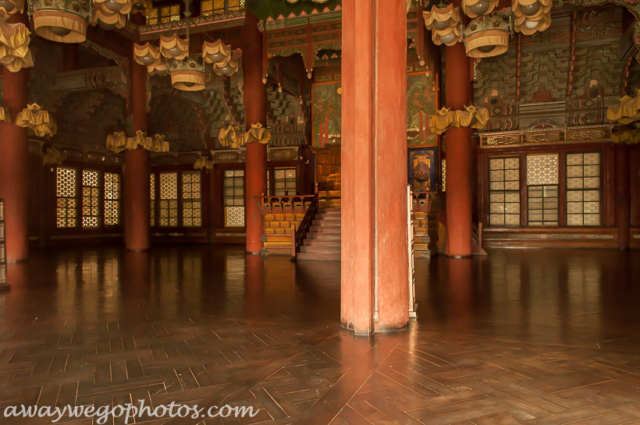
(421,103)
(327,109)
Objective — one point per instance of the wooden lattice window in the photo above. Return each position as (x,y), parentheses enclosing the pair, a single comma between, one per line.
(111,199)
(152,189)
(66,181)
(542,188)
(169,199)
(164,14)
(583,189)
(90,198)
(217,7)
(191,199)
(285,180)
(212,7)
(504,191)
(234,198)
(236,4)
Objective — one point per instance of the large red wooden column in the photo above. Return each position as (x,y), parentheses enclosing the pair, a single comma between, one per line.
(137,168)
(14,162)
(623,195)
(374,295)
(458,147)
(255,101)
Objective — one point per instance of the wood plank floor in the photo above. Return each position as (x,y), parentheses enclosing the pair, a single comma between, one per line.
(533,337)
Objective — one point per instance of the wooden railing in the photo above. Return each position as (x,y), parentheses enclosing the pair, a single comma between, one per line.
(298,235)
(421,201)
(287,204)
(477,234)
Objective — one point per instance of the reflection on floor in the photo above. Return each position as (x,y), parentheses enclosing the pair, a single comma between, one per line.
(519,337)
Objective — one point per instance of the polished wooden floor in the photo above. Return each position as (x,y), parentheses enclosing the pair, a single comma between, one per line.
(530,337)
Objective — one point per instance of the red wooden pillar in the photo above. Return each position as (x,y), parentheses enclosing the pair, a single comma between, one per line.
(374,166)
(623,195)
(255,100)
(137,168)
(458,146)
(14,162)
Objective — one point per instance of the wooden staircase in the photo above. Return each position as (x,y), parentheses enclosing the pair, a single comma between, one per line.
(323,239)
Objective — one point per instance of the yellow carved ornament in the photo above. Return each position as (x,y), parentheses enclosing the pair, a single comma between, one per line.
(445,119)
(229,137)
(203,163)
(630,137)
(5,115)
(118,142)
(39,122)
(14,46)
(54,157)
(627,112)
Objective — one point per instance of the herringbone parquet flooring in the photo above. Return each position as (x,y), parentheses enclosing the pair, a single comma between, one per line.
(535,338)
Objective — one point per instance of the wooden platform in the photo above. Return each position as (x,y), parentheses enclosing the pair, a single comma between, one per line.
(520,337)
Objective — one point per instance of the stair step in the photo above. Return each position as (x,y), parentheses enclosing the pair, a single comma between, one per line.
(325,229)
(322,243)
(320,236)
(326,223)
(328,210)
(320,249)
(306,256)
(328,216)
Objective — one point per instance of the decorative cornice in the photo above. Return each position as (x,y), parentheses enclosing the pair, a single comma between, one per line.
(544,136)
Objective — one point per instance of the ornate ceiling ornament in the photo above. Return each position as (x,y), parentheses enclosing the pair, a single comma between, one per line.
(158,68)
(53,156)
(315,1)
(627,112)
(10,7)
(110,14)
(187,75)
(445,119)
(118,142)
(203,163)
(14,46)
(174,47)
(146,54)
(444,24)
(63,21)
(216,52)
(531,16)
(486,38)
(475,8)
(39,122)
(226,68)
